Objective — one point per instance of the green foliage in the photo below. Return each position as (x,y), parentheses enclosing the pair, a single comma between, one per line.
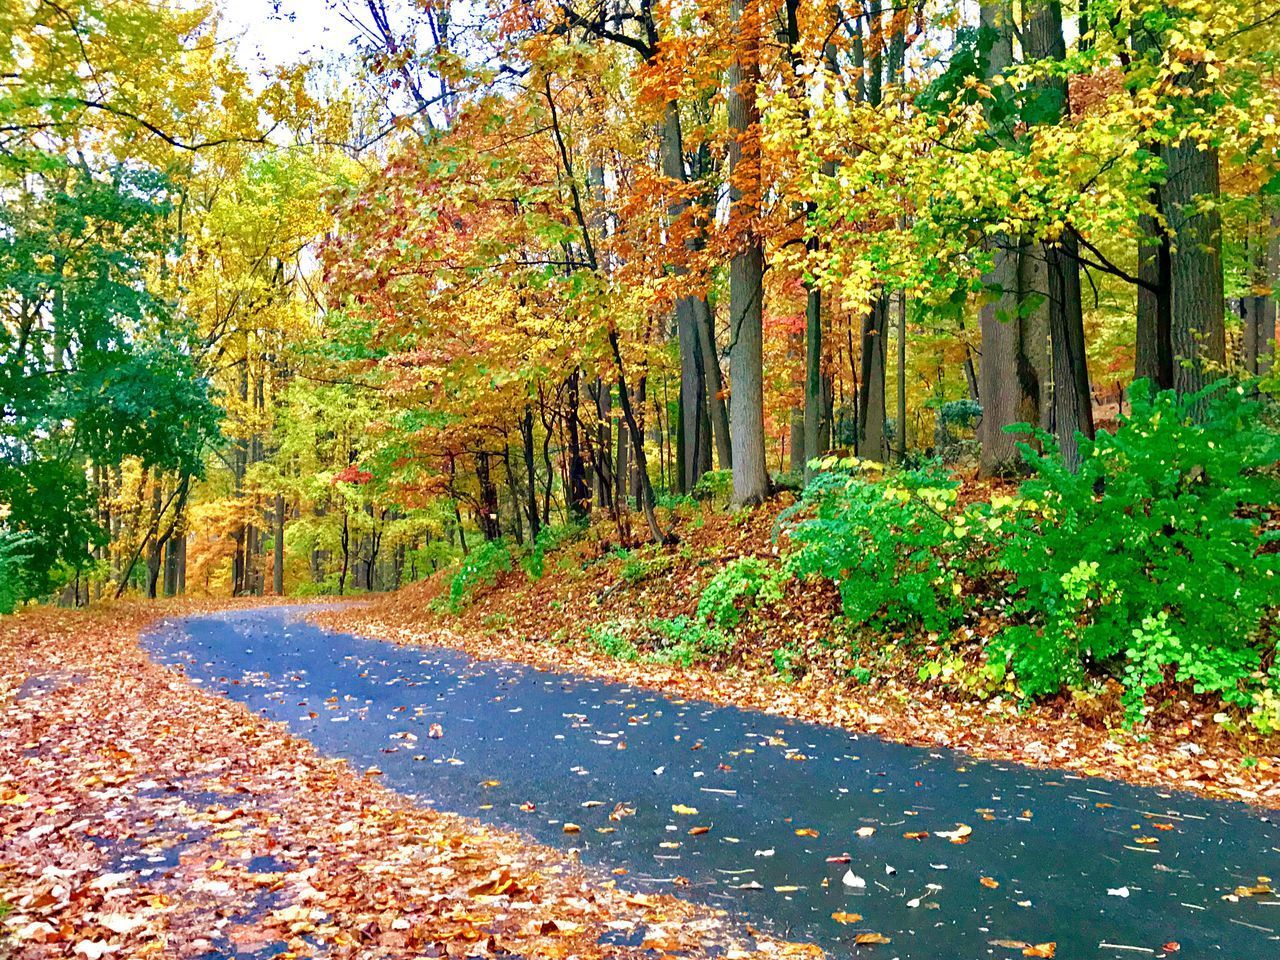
(609,639)
(960,413)
(13,558)
(639,565)
(548,540)
(895,545)
(480,568)
(745,581)
(788,662)
(689,640)
(714,486)
(1148,558)
(100,369)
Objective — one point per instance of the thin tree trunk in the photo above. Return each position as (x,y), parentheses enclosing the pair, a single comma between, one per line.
(531,505)
(277,566)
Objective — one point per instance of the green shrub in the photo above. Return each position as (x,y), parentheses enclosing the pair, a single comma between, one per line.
(745,580)
(639,565)
(548,540)
(894,544)
(689,640)
(788,662)
(13,573)
(714,485)
(609,639)
(479,568)
(1149,558)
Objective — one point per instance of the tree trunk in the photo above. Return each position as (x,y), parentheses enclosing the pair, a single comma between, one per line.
(277,564)
(1153,346)
(578,494)
(487,511)
(531,500)
(746,268)
(873,444)
(1071,410)
(1197,331)
(1006,382)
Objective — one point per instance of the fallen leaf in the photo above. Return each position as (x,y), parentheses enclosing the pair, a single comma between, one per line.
(841,917)
(1044,950)
(806,832)
(865,939)
(684,810)
(989,883)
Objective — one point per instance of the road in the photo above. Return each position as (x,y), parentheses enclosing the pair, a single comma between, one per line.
(807,831)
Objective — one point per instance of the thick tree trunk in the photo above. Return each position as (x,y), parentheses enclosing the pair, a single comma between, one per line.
(1072,406)
(746,269)
(1197,330)
(1071,409)
(873,440)
(1012,346)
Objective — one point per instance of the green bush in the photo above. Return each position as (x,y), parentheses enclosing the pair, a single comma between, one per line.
(548,540)
(894,544)
(788,662)
(689,640)
(14,587)
(1149,560)
(609,639)
(639,565)
(745,580)
(714,485)
(479,568)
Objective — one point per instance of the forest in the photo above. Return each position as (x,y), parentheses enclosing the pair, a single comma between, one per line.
(668,435)
(481,275)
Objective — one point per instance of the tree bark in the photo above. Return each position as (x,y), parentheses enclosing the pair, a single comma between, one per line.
(1071,409)
(1197,330)
(746,268)
(277,565)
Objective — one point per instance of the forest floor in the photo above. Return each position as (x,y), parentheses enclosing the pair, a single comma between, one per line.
(786,661)
(142,816)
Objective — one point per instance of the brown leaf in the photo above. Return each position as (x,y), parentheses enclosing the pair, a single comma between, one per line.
(866,939)
(1044,950)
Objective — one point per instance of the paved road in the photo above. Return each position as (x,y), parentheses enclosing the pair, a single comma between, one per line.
(801,821)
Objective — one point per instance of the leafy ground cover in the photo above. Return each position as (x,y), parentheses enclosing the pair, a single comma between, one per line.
(140,816)
(710,618)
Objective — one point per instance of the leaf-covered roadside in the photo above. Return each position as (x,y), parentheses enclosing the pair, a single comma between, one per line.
(592,604)
(140,816)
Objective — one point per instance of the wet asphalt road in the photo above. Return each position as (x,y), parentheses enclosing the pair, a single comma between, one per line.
(1105,870)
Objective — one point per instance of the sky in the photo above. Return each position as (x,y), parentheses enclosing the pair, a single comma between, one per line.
(276,32)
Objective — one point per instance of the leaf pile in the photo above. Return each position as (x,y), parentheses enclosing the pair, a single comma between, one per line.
(142,817)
